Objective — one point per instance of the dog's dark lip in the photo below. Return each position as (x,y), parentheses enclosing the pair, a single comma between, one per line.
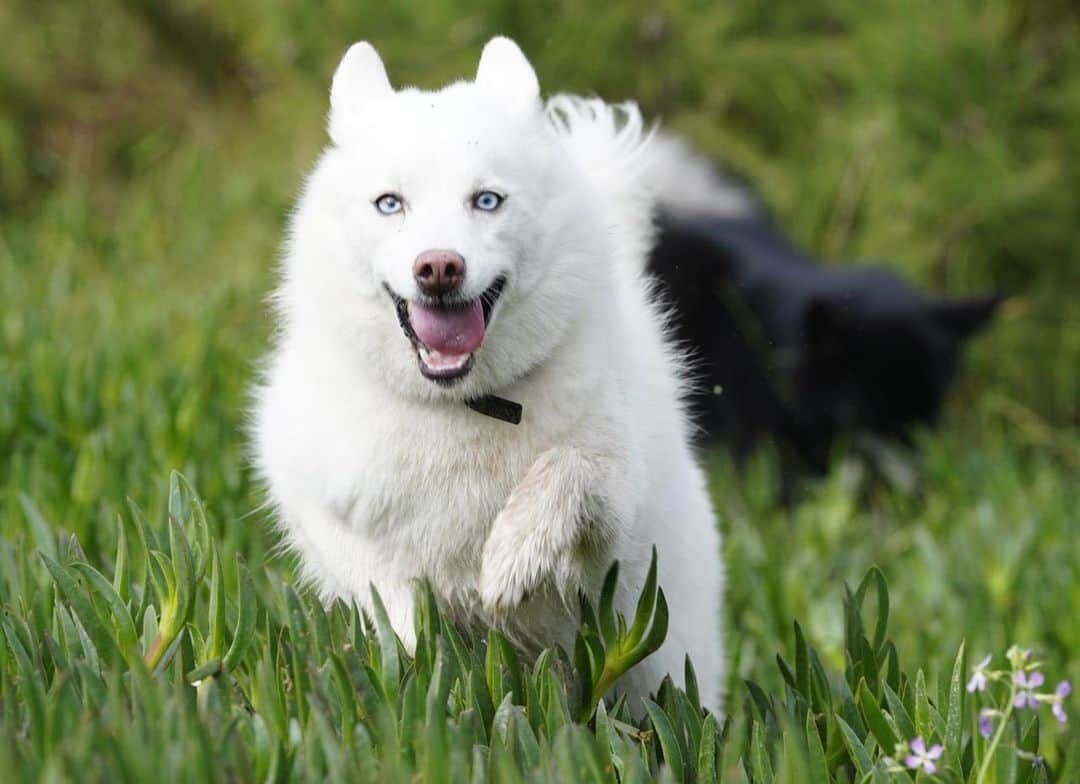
(487,303)
(491,296)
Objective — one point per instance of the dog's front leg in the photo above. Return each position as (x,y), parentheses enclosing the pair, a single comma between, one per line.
(346,566)
(555,521)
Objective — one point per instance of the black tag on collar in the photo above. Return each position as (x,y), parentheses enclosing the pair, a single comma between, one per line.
(497,408)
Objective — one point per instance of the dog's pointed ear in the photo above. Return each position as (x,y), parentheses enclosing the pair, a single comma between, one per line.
(963,317)
(359,77)
(505,69)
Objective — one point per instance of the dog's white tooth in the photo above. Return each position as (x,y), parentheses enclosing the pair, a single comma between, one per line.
(436,360)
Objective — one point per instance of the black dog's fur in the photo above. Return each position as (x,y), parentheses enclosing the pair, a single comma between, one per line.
(796,353)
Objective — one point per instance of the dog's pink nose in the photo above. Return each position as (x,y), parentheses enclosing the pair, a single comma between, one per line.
(439,272)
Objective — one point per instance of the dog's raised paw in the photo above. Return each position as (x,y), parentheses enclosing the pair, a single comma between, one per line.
(508,572)
(534,540)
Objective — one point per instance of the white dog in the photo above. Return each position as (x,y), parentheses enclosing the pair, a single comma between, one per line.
(459,260)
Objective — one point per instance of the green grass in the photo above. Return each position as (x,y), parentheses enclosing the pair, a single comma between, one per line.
(148,155)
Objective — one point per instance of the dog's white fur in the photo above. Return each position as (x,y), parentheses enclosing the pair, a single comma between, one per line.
(686,184)
(382,476)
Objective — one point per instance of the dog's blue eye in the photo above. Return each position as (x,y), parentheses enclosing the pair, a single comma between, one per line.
(488,201)
(388,204)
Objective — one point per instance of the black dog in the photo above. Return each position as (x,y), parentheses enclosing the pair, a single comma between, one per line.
(794,353)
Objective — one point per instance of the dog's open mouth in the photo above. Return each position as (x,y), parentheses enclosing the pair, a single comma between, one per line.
(446,332)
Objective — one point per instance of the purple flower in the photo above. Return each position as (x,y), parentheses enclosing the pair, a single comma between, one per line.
(921,757)
(1063,690)
(978,675)
(1026,696)
(986,723)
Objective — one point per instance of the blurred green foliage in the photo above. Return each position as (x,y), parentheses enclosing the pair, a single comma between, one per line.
(150,151)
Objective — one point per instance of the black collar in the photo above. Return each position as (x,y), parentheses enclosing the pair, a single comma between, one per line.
(497,408)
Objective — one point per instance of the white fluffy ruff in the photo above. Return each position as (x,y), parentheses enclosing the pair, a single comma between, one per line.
(381,477)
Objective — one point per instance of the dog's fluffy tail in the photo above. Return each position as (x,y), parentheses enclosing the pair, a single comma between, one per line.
(687,184)
(626,163)
(638,170)
(610,144)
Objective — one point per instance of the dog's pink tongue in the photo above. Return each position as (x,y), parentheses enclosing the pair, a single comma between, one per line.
(457,331)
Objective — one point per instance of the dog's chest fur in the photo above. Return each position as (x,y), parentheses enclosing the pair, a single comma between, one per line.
(412,488)
(429,488)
